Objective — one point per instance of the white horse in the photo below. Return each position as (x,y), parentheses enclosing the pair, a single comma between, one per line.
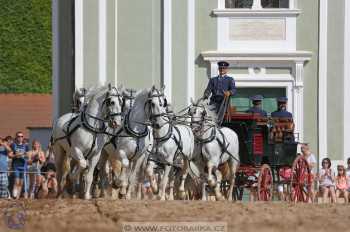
(83,136)
(79,96)
(214,147)
(132,145)
(172,143)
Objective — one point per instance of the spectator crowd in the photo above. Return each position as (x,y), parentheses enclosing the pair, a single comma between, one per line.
(26,170)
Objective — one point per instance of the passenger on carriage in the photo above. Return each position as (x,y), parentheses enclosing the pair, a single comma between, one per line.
(220,86)
(282,109)
(256,108)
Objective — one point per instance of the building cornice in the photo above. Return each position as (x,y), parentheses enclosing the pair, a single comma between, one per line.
(256,12)
(296,56)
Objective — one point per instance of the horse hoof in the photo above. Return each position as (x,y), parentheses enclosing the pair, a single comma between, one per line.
(182,195)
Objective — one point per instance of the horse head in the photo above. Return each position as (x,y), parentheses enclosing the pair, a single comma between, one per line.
(129,96)
(79,98)
(156,104)
(112,109)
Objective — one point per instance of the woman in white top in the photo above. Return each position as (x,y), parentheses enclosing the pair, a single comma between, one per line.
(327,180)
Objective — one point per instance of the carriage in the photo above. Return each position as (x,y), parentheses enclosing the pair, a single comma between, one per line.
(268,156)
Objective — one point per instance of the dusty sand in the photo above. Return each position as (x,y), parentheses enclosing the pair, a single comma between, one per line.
(107,215)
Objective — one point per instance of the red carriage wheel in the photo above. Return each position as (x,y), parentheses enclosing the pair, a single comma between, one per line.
(265,183)
(301,180)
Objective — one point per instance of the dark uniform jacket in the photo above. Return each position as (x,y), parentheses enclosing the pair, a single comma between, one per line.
(217,86)
(257,110)
(281,114)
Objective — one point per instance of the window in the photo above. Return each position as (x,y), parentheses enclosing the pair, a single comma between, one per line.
(262,3)
(275,3)
(238,3)
(242,103)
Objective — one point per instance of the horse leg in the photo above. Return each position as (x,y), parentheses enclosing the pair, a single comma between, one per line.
(171,188)
(123,174)
(78,155)
(62,171)
(233,167)
(133,179)
(103,174)
(204,191)
(184,173)
(211,178)
(151,177)
(89,175)
(164,183)
(217,188)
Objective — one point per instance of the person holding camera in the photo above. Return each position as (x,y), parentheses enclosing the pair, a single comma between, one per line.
(19,165)
(36,160)
(5,152)
(49,186)
(327,180)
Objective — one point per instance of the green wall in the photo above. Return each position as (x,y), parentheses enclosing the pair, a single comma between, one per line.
(307,40)
(90,29)
(335,77)
(139,43)
(206,39)
(179,53)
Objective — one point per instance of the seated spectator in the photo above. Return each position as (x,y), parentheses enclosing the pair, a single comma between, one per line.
(49,186)
(36,159)
(342,183)
(19,166)
(327,180)
(5,151)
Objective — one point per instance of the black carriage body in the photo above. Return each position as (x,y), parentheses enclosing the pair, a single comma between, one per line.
(255,144)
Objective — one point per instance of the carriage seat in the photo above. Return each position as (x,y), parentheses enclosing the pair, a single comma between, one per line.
(282,130)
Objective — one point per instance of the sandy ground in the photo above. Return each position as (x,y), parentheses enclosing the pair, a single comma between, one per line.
(108,215)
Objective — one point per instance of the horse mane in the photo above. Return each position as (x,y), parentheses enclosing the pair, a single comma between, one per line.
(210,111)
(137,113)
(95,92)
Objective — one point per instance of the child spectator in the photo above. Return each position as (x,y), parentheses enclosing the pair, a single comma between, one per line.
(311,160)
(327,180)
(19,165)
(342,183)
(5,151)
(36,160)
(49,184)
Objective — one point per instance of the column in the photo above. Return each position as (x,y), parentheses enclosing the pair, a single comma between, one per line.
(55,58)
(191,32)
(322,81)
(102,42)
(298,99)
(346,81)
(79,44)
(167,49)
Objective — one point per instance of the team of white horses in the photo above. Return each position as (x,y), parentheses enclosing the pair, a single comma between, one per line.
(136,137)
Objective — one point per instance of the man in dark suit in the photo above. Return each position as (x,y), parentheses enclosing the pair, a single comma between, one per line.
(256,108)
(282,109)
(220,86)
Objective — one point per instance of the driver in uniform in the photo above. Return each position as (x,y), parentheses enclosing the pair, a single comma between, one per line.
(256,108)
(220,86)
(282,109)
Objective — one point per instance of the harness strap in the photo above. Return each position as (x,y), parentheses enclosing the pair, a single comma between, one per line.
(69,132)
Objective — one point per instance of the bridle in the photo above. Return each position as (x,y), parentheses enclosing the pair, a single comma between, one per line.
(107,102)
(130,97)
(159,95)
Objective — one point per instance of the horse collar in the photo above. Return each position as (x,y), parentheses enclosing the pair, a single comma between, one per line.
(209,139)
(167,136)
